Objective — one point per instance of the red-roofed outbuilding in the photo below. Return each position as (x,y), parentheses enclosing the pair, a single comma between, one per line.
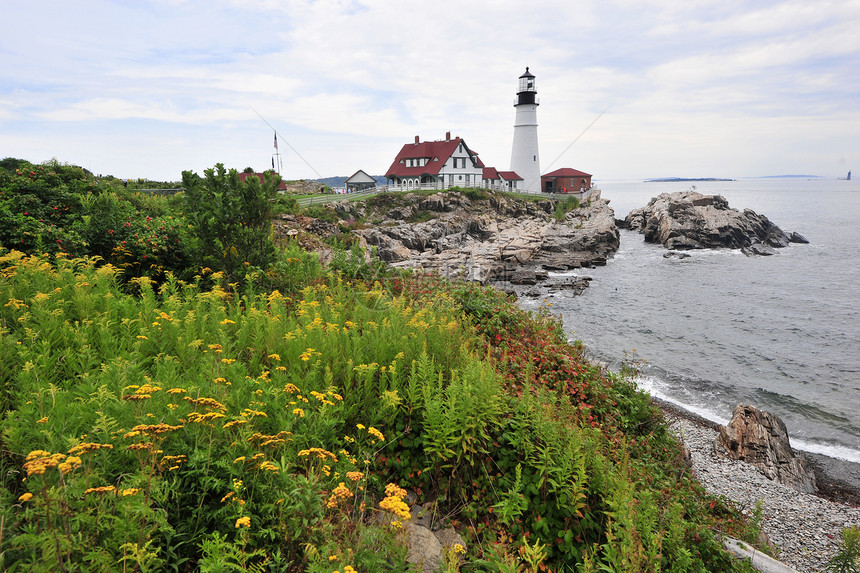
(565,180)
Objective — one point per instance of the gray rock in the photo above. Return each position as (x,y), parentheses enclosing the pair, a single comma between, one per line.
(424,549)
(761,438)
(478,239)
(796,237)
(690,220)
(758,249)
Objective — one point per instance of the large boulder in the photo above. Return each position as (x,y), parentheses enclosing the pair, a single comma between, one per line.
(761,438)
(691,220)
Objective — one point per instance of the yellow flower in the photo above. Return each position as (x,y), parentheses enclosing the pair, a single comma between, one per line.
(26,497)
(299,412)
(42,421)
(360,426)
(130,491)
(228,321)
(243,522)
(458,548)
(354,476)
(103,489)
(349,569)
(274,357)
(228,360)
(374,432)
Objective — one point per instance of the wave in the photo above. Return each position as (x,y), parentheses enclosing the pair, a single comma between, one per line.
(653,386)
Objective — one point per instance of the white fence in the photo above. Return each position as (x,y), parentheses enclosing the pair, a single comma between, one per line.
(317,199)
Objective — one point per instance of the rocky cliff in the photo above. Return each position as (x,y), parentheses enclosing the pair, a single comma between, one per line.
(690,220)
(484,236)
(478,235)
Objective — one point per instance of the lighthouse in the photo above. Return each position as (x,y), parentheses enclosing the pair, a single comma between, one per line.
(525,159)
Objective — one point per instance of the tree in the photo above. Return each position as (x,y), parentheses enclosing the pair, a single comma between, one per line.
(231,220)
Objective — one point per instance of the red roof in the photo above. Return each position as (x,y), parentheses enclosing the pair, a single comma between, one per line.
(261,176)
(490,173)
(436,152)
(510,176)
(567,172)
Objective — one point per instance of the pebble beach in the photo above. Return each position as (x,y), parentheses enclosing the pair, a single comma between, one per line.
(806,529)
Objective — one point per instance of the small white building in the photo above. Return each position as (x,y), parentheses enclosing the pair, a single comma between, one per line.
(359,181)
(438,165)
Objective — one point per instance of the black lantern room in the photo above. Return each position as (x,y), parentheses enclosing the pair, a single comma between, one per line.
(527,90)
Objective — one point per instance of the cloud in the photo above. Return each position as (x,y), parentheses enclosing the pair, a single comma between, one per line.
(349,81)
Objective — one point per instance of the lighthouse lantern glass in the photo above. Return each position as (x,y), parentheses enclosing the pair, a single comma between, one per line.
(527,84)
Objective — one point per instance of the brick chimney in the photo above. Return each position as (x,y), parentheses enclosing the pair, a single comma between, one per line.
(417,140)
(447,136)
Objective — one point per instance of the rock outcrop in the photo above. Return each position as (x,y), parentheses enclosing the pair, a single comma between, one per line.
(690,220)
(760,438)
(488,238)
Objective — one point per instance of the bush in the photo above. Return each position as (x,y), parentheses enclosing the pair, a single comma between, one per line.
(231,220)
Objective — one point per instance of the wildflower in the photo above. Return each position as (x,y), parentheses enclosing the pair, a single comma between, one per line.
(239,459)
(354,476)
(458,548)
(228,360)
(299,412)
(342,491)
(243,522)
(71,464)
(177,391)
(42,421)
(228,321)
(103,489)
(349,569)
(376,433)
(269,466)
(26,497)
(88,447)
(274,357)
(130,491)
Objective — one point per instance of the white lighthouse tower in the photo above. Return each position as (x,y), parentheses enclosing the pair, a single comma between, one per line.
(525,159)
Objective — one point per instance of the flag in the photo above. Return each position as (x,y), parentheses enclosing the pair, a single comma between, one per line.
(276,140)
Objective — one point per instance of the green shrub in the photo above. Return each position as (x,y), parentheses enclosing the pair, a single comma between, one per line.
(230,220)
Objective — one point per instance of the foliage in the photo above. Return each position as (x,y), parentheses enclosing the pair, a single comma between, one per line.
(847,559)
(267,416)
(563,206)
(230,219)
(60,209)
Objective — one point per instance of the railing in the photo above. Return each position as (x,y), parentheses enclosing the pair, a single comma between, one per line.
(322,198)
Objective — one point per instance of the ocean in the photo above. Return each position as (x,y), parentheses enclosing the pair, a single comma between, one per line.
(720,328)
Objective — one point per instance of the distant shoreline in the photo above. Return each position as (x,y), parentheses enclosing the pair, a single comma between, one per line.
(683,179)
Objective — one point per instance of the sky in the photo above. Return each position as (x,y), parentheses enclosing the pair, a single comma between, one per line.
(628,89)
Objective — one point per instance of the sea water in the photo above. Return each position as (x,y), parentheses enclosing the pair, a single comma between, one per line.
(720,328)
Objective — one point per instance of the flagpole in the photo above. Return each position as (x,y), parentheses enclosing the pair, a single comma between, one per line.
(278,154)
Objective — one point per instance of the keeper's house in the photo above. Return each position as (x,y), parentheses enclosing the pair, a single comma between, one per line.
(565,180)
(444,164)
